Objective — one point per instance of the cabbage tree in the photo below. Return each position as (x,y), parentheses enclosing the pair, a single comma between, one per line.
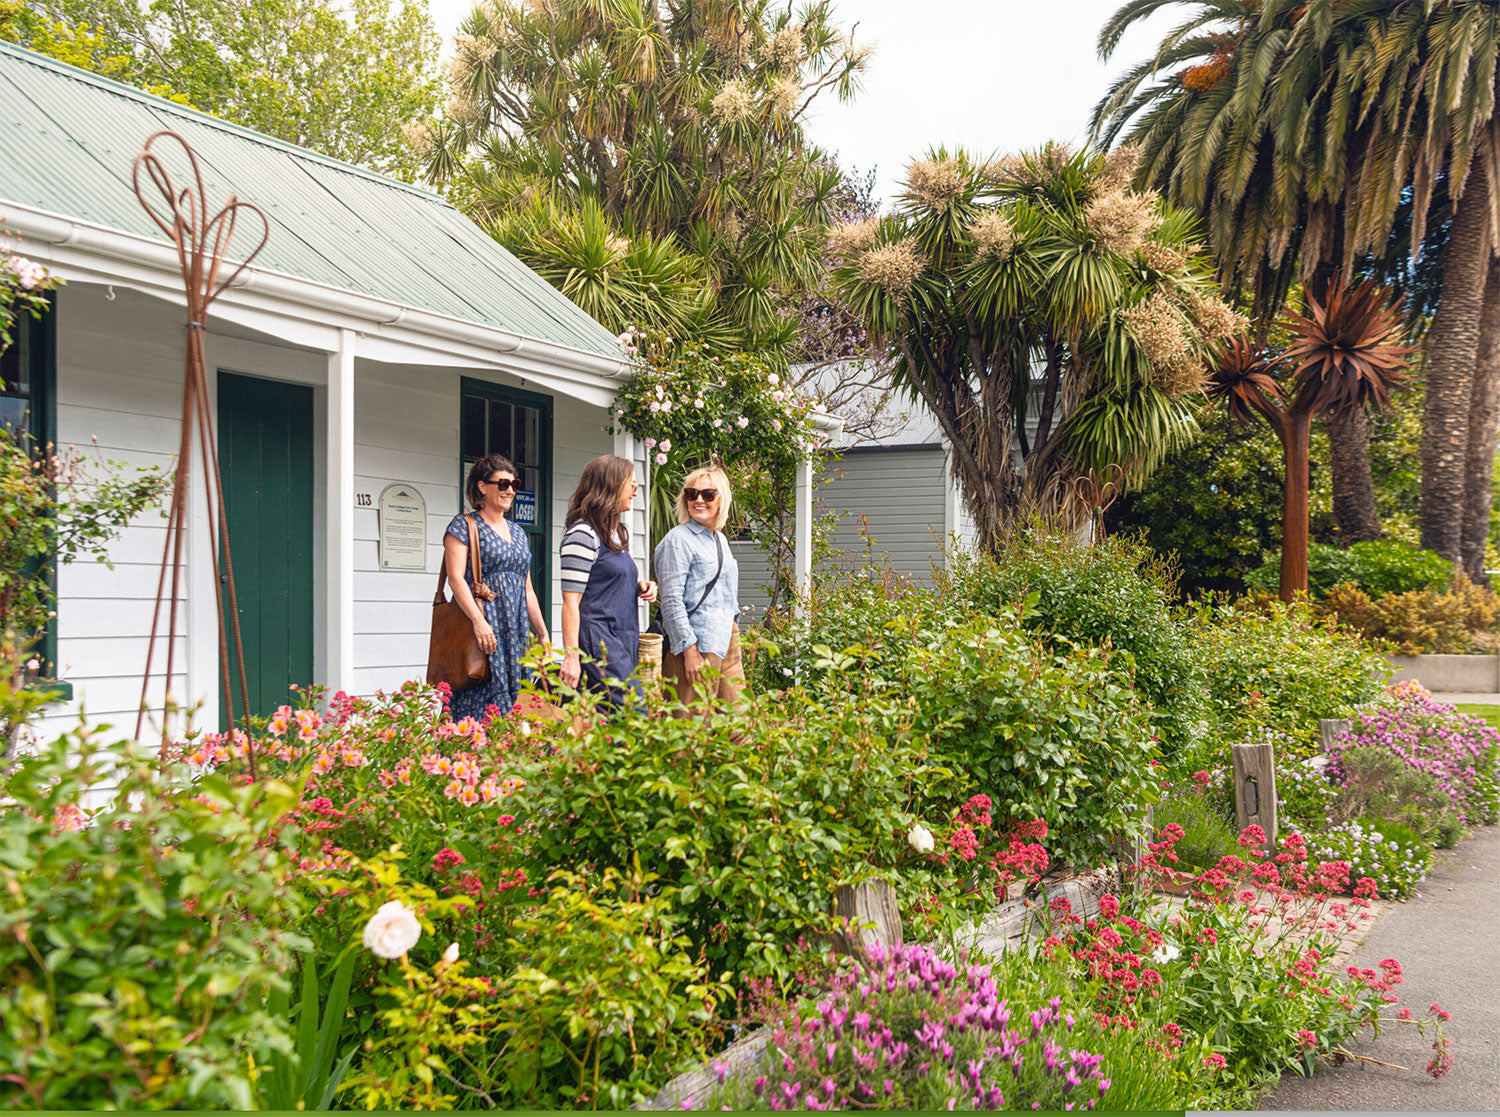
(1053,320)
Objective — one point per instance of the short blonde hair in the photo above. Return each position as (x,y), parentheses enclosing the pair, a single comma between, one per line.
(718,480)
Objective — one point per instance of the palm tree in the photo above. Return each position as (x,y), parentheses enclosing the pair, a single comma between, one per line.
(1424,75)
(1301,131)
(1347,355)
(1053,321)
(1239,135)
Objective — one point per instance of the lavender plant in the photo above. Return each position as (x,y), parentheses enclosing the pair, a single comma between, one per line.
(906,1029)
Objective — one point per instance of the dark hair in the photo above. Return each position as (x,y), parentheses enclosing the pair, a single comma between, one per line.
(482,470)
(596,500)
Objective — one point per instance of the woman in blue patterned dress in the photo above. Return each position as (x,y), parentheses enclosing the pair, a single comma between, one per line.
(505,567)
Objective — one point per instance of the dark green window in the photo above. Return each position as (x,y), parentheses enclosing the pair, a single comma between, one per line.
(28,411)
(517,424)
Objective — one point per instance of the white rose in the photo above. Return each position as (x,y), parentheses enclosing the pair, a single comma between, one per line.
(920,838)
(774,379)
(718,423)
(742,422)
(392,931)
(778,395)
(451,954)
(666,405)
(655,406)
(698,402)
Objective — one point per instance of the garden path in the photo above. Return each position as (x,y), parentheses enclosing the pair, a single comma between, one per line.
(1447,938)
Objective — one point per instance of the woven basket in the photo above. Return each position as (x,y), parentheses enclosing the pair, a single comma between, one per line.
(650,657)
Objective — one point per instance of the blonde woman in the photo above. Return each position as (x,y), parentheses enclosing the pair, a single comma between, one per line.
(700,592)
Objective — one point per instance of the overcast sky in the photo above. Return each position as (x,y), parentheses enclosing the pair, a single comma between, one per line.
(990,75)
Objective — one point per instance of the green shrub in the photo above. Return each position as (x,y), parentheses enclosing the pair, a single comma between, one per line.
(867,612)
(1117,593)
(749,823)
(1206,834)
(1380,785)
(1379,567)
(138,945)
(1048,736)
(1280,668)
(1304,795)
(1453,621)
(602,1005)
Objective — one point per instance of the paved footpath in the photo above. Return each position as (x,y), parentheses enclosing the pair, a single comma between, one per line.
(1447,939)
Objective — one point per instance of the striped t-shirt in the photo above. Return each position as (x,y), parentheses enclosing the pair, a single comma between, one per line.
(580,547)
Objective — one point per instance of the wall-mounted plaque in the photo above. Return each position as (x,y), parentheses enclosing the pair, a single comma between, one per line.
(403,528)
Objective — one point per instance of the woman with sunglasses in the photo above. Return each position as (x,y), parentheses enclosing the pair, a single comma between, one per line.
(601,584)
(700,593)
(505,569)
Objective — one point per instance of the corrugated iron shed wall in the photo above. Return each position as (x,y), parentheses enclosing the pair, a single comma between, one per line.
(68,140)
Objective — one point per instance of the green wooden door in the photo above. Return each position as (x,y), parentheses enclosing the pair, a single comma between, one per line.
(266,457)
(518,425)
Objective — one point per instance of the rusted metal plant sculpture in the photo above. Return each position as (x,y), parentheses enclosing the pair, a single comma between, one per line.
(202,242)
(1346,353)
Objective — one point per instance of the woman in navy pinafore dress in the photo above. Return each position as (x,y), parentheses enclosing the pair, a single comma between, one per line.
(601,584)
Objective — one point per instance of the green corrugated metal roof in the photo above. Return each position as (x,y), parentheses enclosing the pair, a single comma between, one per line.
(68,140)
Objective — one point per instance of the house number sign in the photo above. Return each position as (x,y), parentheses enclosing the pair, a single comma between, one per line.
(403,528)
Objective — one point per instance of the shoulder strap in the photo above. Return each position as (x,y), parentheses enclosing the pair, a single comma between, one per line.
(480,589)
(714,581)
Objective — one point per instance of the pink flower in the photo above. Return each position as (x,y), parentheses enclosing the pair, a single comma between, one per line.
(1309,1040)
(776,425)
(67,816)
(964,843)
(742,422)
(1213,1061)
(661,459)
(650,443)
(666,444)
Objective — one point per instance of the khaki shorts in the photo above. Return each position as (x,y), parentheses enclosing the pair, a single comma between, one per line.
(727,687)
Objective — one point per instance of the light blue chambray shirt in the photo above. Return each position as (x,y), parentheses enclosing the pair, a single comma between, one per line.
(685,562)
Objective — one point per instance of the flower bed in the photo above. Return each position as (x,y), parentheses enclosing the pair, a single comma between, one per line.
(496,913)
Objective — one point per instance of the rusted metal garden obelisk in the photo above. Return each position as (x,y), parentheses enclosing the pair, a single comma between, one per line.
(202,242)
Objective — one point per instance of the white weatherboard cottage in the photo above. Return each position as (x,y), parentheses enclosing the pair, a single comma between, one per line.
(379,344)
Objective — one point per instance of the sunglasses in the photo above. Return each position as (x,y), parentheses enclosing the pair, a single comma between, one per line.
(710,495)
(503,483)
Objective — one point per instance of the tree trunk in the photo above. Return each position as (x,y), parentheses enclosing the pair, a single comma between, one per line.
(1484,424)
(1453,344)
(1295,435)
(1353,485)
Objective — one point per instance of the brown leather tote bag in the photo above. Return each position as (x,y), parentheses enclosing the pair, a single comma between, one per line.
(453,654)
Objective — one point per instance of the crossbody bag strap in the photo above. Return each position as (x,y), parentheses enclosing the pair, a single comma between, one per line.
(714,581)
(480,589)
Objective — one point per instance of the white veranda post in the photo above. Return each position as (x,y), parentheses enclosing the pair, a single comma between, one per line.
(826,427)
(339,571)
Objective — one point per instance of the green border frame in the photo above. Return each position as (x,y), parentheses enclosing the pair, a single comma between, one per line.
(504,393)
